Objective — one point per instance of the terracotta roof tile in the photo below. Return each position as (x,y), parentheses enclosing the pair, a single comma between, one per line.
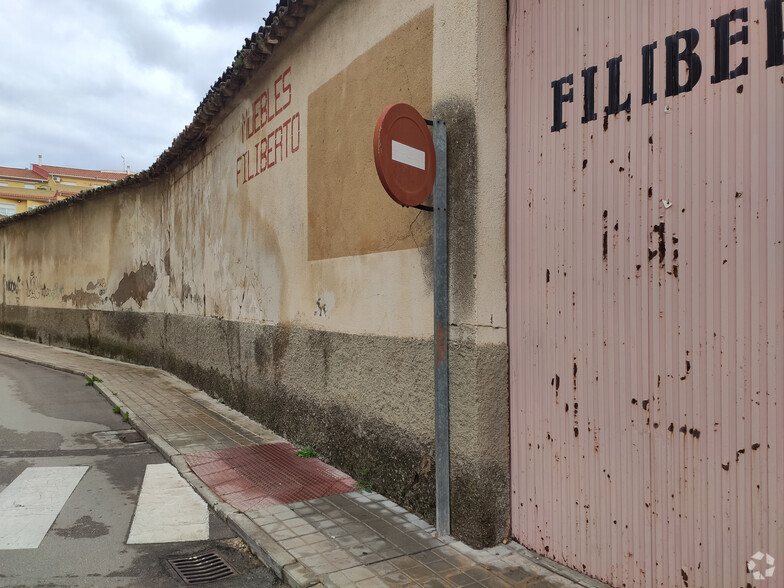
(35,197)
(89,174)
(22,174)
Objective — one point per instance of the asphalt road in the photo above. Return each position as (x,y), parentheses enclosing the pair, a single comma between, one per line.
(71,476)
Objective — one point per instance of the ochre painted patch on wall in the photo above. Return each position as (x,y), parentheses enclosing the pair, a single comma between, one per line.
(349,213)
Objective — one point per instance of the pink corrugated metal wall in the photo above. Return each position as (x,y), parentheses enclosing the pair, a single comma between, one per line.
(646,289)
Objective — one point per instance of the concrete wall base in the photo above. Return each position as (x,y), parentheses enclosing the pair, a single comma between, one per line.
(338,393)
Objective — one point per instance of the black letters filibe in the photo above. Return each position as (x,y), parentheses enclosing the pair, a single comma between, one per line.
(692,60)
(648,95)
(614,105)
(589,112)
(723,43)
(774,15)
(558,100)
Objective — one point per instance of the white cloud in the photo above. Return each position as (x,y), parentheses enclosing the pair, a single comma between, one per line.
(85,82)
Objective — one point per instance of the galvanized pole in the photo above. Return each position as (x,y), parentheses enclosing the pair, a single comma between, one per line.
(441,329)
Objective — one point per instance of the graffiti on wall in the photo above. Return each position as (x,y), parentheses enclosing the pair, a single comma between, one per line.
(267,130)
(32,289)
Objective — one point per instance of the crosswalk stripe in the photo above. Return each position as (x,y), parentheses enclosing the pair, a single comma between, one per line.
(168,509)
(30,504)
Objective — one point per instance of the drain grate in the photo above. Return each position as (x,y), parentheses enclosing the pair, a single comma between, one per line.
(201,568)
(131,437)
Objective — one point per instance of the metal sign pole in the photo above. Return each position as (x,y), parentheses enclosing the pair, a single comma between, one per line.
(441,329)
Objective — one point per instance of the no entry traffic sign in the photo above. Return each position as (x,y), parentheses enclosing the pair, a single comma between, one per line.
(404,154)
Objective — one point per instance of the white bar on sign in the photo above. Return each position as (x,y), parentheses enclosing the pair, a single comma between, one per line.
(408,155)
(30,504)
(168,509)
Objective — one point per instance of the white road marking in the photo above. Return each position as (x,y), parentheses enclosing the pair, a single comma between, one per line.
(168,509)
(408,155)
(30,504)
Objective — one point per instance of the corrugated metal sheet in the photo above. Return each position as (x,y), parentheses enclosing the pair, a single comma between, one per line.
(646,288)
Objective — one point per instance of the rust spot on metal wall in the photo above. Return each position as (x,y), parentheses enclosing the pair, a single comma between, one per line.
(604,238)
(136,285)
(574,374)
(661,249)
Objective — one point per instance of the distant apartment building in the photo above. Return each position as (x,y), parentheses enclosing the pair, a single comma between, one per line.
(24,189)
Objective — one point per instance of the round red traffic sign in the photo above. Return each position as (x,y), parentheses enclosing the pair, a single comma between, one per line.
(404,154)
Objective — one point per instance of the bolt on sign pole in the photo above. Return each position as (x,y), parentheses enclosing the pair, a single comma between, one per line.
(410,164)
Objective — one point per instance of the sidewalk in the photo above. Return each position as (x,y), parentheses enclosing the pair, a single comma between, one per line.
(303,518)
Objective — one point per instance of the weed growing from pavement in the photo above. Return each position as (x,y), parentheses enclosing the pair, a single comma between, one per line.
(126,418)
(362,481)
(306,452)
(116,409)
(91,380)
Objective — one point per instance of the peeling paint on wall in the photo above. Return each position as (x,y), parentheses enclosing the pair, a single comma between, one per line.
(136,285)
(82,299)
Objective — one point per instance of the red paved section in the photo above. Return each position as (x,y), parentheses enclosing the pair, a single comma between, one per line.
(258,476)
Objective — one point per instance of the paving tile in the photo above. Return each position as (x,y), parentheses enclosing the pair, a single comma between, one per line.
(314,561)
(335,532)
(435,583)
(294,542)
(313,538)
(371,583)
(440,566)
(495,582)
(405,562)
(308,550)
(358,573)
(461,579)
(517,576)
(336,580)
(299,575)
(347,541)
(397,579)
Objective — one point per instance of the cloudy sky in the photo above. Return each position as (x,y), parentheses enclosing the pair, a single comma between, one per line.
(87,82)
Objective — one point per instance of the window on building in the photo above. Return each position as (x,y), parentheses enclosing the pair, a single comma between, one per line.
(3,184)
(7,209)
(29,186)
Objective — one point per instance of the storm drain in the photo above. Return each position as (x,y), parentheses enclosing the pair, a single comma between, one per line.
(201,568)
(130,437)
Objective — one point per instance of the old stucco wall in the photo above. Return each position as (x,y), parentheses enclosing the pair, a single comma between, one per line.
(271,269)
